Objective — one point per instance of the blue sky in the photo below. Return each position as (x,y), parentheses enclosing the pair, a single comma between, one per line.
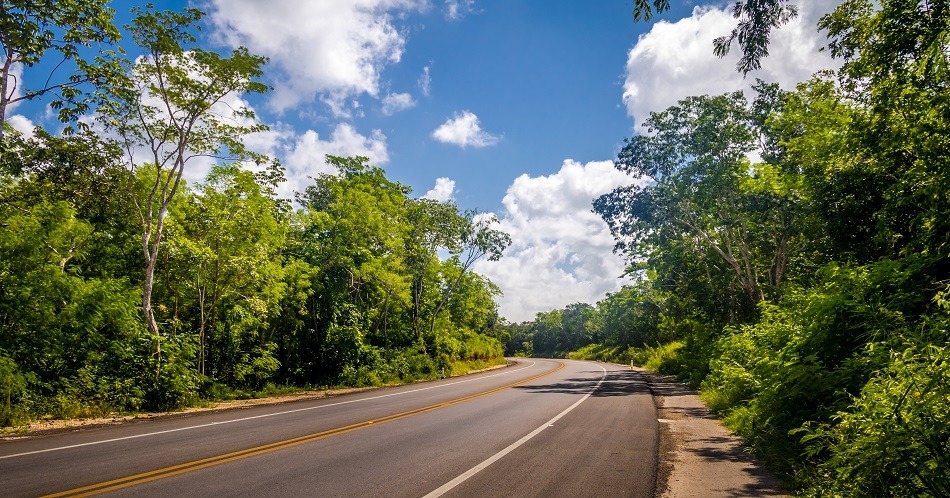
(513,107)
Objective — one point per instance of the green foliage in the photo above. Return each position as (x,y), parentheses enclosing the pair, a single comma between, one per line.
(894,440)
(704,215)
(30,29)
(177,384)
(13,384)
(756,22)
(800,289)
(382,285)
(663,358)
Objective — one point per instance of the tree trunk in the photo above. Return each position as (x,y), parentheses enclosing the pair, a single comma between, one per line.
(201,331)
(4,85)
(150,313)
(150,246)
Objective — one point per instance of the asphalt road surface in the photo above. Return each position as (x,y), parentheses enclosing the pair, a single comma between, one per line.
(538,428)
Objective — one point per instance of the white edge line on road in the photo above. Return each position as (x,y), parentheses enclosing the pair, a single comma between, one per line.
(156,433)
(513,446)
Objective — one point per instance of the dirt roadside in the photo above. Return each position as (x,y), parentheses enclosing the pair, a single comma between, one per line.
(698,455)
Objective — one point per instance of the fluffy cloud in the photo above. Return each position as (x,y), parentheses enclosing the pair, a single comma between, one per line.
(456,9)
(334,50)
(307,156)
(442,191)
(395,102)
(675,60)
(463,130)
(561,252)
(22,124)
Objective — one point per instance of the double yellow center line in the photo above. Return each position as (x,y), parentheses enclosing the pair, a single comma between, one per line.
(173,470)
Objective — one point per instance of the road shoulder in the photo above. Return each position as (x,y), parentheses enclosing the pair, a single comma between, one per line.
(698,455)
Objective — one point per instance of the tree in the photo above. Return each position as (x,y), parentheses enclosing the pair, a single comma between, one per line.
(176,104)
(478,239)
(29,29)
(434,225)
(225,250)
(86,171)
(628,317)
(704,200)
(896,66)
(353,232)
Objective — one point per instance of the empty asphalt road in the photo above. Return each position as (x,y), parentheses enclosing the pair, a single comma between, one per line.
(538,428)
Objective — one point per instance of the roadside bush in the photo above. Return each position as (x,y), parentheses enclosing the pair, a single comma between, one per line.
(664,358)
(177,384)
(601,352)
(12,385)
(894,439)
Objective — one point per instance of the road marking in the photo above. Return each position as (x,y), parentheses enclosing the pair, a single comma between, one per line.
(266,415)
(173,470)
(445,488)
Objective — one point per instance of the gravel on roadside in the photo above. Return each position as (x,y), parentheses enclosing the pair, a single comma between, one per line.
(698,455)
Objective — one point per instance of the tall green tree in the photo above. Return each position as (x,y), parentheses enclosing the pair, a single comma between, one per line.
(225,252)
(477,239)
(703,200)
(173,106)
(896,65)
(434,225)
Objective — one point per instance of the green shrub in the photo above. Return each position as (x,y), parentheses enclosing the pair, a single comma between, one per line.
(601,352)
(894,439)
(664,358)
(12,385)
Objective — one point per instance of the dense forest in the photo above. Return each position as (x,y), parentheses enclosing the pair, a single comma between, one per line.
(124,288)
(788,249)
(806,292)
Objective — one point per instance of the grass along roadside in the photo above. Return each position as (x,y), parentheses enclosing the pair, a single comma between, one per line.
(662,358)
(271,395)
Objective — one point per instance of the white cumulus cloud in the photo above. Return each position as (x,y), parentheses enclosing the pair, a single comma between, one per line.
(22,124)
(464,130)
(307,157)
(395,102)
(675,60)
(561,252)
(326,49)
(442,191)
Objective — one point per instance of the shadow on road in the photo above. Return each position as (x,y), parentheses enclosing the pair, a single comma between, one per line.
(617,383)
